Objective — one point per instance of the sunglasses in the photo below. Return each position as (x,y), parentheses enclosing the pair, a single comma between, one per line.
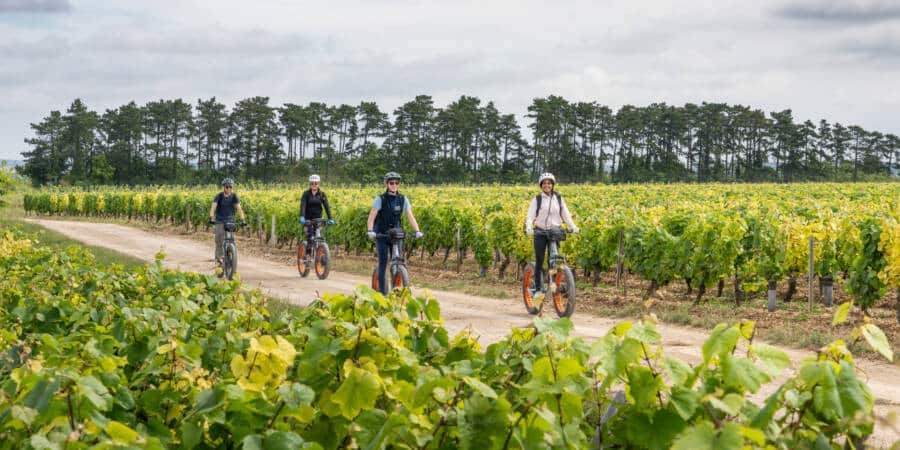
(314,182)
(393,182)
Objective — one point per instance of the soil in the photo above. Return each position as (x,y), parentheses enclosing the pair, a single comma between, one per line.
(490,318)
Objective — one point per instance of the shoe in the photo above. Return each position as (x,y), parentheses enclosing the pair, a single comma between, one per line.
(538,296)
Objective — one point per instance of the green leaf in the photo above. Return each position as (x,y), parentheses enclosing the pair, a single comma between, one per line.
(877,340)
(742,374)
(433,309)
(826,396)
(653,432)
(480,387)
(773,360)
(703,436)
(359,391)
(282,440)
(684,401)
(40,396)
(644,332)
(730,437)
(643,387)
(207,400)
(698,437)
(295,395)
(483,423)
(252,442)
(95,392)
(679,372)
(191,435)
(559,328)
(386,328)
(721,342)
(730,404)
(853,393)
(840,314)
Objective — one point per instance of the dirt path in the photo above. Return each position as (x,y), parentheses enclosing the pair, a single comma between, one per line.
(490,318)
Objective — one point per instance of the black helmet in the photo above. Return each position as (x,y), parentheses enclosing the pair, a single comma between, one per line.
(392,176)
(228,182)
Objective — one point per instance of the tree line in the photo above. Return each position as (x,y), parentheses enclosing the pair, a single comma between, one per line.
(173,141)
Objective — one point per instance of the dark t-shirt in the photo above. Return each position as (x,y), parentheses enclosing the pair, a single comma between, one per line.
(225,207)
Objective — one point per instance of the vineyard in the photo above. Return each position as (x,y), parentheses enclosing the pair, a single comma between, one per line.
(752,235)
(104,357)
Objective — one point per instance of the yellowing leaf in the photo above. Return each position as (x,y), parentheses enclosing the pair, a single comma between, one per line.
(121,433)
(840,315)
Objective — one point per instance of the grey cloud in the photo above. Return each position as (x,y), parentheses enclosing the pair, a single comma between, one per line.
(34,6)
(196,42)
(47,47)
(883,50)
(841,11)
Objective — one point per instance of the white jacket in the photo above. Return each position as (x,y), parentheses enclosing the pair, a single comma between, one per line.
(550,215)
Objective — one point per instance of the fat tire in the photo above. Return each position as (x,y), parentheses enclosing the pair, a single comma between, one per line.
(527,284)
(323,261)
(400,279)
(302,268)
(230,262)
(564,297)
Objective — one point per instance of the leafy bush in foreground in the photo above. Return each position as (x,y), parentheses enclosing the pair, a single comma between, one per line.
(103,357)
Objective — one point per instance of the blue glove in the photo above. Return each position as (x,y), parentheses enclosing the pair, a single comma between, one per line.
(302,220)
(330,221)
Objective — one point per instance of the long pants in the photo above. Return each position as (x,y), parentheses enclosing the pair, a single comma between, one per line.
(540,248)
(219,231)
(383,246)
(310,233)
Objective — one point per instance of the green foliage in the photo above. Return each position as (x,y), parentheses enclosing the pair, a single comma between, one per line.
(864,283)
(104,357)
(8,182)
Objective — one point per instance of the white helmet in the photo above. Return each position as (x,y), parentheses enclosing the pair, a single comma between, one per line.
(546,176)
(314,179)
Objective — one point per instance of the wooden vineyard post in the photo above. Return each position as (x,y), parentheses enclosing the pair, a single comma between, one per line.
(620,258)
(272,234)
(187,217)
(458,249)
(811,271)
(259,228)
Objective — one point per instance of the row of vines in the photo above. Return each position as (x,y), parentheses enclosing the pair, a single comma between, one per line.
(699,234)
(108,357)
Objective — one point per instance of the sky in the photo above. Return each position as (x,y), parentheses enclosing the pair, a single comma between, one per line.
(825,59)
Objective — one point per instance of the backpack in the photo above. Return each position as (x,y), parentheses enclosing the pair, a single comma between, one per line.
(540,198)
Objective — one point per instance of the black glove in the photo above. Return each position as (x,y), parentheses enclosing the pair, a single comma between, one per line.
(243,223)
(212,221)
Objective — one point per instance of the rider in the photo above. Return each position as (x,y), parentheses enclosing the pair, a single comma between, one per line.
(311,204)
(553,211)
(222,211)
(386,213)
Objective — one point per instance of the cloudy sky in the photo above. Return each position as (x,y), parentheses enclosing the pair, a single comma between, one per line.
(833,59)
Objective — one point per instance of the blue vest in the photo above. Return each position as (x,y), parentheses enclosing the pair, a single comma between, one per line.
(390,214)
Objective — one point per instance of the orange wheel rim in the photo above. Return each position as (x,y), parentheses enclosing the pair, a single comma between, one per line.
(526,283)
(320,253)
(557,296)
(375,281)
(398,280)
(301,252)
